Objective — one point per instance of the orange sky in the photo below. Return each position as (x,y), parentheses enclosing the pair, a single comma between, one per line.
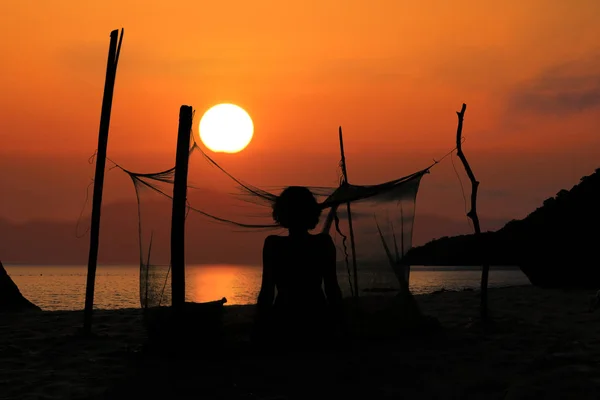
(391,72)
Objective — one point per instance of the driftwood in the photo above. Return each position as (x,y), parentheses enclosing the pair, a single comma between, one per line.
(11,299)
(472,214)
(193,327)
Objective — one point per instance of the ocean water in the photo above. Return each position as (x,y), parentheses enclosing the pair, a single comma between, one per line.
(63,287)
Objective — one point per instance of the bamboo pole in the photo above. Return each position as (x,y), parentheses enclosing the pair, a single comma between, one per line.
(179,207)
(109,85)
(472,214)
(352,243)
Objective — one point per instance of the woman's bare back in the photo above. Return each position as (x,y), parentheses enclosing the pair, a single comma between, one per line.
(299,267)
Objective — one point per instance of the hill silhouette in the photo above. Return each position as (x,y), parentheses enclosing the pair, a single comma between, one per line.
(55,242)
(48,242)
(555,245)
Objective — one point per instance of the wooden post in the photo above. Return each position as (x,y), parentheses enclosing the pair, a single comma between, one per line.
(473,212)
(109,85)
(179,207)
(352,244)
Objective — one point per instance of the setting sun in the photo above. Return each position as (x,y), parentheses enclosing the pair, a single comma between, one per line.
(226,128)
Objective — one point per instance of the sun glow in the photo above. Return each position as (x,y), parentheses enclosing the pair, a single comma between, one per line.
(226,128)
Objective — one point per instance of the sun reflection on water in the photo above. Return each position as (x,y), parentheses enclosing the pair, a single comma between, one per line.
(63,287)
(238,285)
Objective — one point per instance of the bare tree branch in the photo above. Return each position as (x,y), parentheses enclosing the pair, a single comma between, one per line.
(473,211)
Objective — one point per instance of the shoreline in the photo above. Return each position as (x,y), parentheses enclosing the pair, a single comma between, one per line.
(63,289)
(541,340)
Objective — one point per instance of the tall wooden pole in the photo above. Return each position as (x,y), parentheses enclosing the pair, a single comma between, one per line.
(352,244)
(473,212)
(109,85)
(179,207)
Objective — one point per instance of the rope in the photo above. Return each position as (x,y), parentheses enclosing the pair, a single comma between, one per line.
(91,160)
(344,239)
(80,217)
(462,190)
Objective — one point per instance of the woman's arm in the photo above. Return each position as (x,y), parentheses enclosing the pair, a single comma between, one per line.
(264,303)
(330,281)
(267,288)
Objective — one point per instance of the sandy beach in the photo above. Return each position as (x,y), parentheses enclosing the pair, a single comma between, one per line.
(542,344)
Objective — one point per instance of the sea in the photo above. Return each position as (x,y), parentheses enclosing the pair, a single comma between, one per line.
(56,288)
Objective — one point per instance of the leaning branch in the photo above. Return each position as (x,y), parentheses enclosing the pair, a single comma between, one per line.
(114,50)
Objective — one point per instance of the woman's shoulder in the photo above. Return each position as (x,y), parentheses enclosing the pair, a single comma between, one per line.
(324,238)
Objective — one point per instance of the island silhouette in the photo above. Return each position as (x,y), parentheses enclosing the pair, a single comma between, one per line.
(555,245)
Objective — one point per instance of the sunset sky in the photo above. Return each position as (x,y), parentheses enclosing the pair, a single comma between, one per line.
(392,73)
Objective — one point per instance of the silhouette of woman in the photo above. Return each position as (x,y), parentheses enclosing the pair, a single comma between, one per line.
(297,266)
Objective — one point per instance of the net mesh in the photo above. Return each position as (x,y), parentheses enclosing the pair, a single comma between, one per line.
(229,220)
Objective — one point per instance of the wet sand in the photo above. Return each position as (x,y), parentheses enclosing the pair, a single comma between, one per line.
(541,344)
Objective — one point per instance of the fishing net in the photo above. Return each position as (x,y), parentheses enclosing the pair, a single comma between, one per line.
(228,219)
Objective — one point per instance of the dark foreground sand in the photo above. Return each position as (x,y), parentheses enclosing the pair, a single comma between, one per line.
(543,344)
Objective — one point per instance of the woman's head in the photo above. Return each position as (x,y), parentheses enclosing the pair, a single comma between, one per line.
(296,208)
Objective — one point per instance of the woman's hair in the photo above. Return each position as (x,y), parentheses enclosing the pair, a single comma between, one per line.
(296,207)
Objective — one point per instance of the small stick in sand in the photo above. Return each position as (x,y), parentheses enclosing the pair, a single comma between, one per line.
(352,243)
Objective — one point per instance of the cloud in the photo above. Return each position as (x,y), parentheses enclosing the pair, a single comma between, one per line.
(568,88)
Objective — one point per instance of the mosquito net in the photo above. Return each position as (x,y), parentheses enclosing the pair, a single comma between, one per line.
(228,219)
